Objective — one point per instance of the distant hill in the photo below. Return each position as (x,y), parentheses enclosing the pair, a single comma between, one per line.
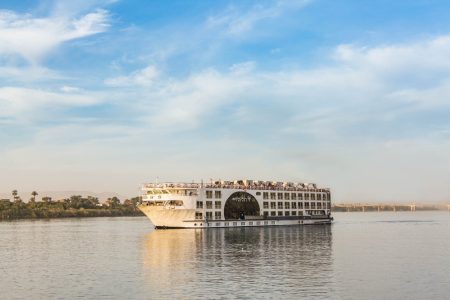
(56,195)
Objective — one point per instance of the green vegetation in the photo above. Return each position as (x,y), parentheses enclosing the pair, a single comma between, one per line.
(73,207)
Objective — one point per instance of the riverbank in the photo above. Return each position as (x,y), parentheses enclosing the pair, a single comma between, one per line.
(73,207)
(10,215)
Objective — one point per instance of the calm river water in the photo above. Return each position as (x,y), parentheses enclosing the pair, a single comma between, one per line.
(401,255)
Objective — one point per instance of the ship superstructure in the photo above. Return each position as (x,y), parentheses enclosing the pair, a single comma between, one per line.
(235,204)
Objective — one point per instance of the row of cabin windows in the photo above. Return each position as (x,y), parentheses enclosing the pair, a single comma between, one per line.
(217,194)
(226,224)
(295,196)
(279,196)
(209,215)
(282,213)
(295,205)
(273,205)
(292,213)
(209,204)
(218,215)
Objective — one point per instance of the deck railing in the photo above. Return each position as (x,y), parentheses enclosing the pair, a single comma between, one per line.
(267,187)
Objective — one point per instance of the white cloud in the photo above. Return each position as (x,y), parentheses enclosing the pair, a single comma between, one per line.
(30,73)
(32,38)
(242,68)
(143,77)
(23,105)
(237,22)
(69,89)
(429,56)
(187,104)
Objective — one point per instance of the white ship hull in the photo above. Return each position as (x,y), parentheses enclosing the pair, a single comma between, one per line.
(163,218)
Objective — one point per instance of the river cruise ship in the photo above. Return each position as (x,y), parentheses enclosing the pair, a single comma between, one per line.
(238,203)
(235,203)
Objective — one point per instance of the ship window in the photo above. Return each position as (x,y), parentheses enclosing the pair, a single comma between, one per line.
(273,196)
(265,195)
(243,223)
(294,205)
(226,224)
(250,223)
(266,205)
(294,213)
(287,196)
(218,215)
(319,196)
(198,216)
(266,222)
(286,205)
(258,193)
(208,204)
(209,215)
(266,214)
(313,196)
(306,196)
(280,213)
(218,194)
(234,223)
(286,213)
(300,196)
(294,196)
(273,222)
(306,205)
(319,205)
(149,192)
(209,194)
(313,205)
(199,204)
(217,224)
(272,213)
(218,204)
(280,205)
(273,205)
(280,196)
(300,205)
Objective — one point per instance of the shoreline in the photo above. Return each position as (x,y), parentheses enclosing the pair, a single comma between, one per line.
(64,214)
(74,207)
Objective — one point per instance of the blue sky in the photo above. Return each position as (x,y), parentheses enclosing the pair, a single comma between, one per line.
(104,95)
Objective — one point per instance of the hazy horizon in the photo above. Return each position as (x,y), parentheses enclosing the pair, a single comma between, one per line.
(104,95)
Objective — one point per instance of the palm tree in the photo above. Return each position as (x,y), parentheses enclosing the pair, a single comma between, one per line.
(34,194)
(15,193)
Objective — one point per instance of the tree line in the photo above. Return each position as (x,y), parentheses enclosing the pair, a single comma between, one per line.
(74,206)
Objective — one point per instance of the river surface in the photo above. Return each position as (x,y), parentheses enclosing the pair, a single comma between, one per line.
(403,255)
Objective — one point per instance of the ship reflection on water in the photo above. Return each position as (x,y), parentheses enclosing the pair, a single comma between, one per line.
(243,262)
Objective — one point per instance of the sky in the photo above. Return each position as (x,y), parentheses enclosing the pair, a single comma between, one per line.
(104,95)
